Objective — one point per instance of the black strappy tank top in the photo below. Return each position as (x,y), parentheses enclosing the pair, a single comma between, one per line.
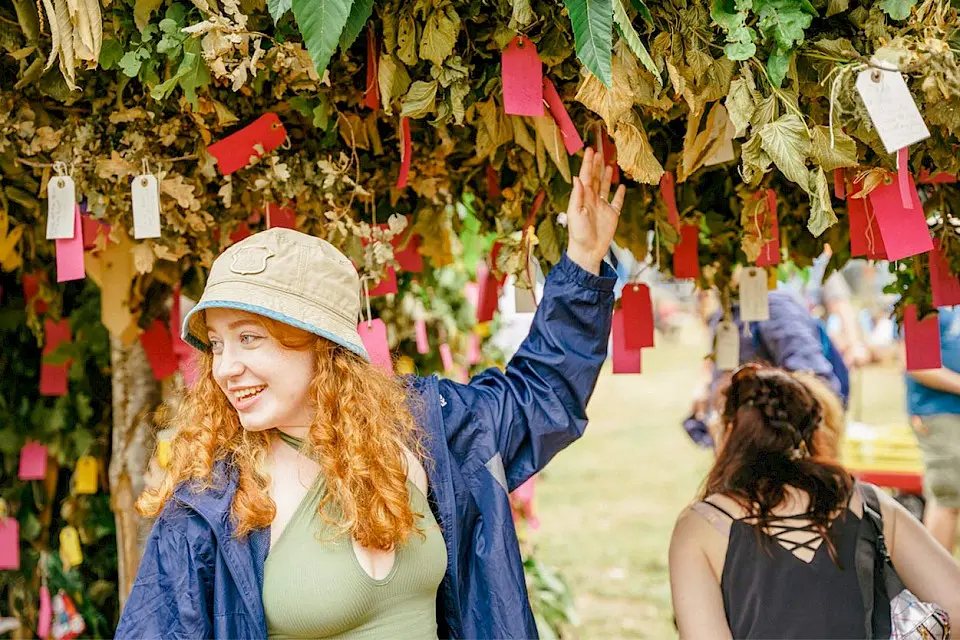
(769,592)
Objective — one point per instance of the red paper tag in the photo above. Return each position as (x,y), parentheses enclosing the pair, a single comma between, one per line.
(420,329)
(258,138)
(944,284)
(371,95)
(387,285)
(904,231)
(940,178)
(625,359)
(446,357)
(241,232)
(637,315)
(770,253)
(281,217)
(473,350)
(33,461)
(865,238)
(53,377)
(92,229)
(668,192)
(159,347)
(406,251)
(571,137)
(488,294)
(406,151)
(522,78)
(493,183)
(686,255)
(922,338)
(903,178)
(10,545)
(606,147)
(180,348)
(374,339)
(840,183)
(70,252)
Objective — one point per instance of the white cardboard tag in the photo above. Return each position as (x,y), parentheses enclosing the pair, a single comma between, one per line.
(146,207)
(61,205)
(727,349)
(892,108)
(754,296)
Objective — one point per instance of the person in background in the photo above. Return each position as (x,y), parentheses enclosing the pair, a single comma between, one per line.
(770,550)
(933,402)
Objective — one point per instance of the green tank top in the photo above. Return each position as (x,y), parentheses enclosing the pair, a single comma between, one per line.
(315,587)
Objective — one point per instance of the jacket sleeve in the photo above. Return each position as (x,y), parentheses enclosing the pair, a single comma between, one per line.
(793,341)
(172,595)
(531,411)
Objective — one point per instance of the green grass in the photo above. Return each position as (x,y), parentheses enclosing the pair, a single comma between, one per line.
(607,505)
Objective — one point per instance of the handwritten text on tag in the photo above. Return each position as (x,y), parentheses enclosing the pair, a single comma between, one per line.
(146,207)
(892,109)
(754,298)
(727,349)
(61,204)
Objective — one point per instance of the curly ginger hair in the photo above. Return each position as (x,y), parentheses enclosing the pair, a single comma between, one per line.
(363,427)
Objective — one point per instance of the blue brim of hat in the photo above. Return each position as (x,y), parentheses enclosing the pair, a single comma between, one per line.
(200,345)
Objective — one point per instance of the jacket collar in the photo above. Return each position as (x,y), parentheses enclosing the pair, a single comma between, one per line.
(244,557)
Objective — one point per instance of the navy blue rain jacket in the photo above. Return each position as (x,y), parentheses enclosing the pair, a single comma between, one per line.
(198,580)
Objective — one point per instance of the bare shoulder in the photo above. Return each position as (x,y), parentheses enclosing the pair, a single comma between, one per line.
(415,471)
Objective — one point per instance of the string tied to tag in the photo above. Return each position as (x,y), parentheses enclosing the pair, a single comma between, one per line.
(835,89)
(364,283)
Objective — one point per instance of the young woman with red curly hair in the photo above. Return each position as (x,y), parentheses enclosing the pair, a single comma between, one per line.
(775,547)
(311,495)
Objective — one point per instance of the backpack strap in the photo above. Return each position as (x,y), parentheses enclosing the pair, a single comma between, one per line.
(871,552)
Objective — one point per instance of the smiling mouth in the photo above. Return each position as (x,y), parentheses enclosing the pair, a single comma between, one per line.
(249,393)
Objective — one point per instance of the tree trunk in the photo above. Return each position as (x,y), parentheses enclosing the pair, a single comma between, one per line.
(136,395)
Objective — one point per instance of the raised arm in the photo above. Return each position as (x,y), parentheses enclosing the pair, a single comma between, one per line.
(528,413)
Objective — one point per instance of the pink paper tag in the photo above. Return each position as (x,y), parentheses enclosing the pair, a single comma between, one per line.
(522,78)
(159,347)
(406,151)
(903,178)
(944,284)
(904,231)
(33,461)
(571,137)
(420,328)
(463,376)
(45,613)
(10,545)
(770,253)
(637,316)
(446,357)
(922,338)
(625,359)
(668,192)
(686,254)
(70,252)
(840,183)
(473,350)
(387,285)
(471,293)
(374,339)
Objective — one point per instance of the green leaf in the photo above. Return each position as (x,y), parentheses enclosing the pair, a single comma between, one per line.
(522,13)
(737,51)
(898,9)
(822,216)
(439,35)
(111,52)
(321,22)
(393,79)
(278,8)
(130,64)
(321,113)
(843,153)
(196,75)
(778,64)
(740,106)
(420,100)
(732,17)
(642,10)
(837,6)
(784,21)
(632,38)
(787,143)
(359,14)
(592,22)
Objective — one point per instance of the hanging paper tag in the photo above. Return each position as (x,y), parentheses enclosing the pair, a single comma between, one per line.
(386,285)
(242,232)
(770,226)
(70,253)
(85,475)
(446,356)
(406,251)
(625,359)
(61,206)
(146,207)
(727,346)
(522,78)
(70,552)
(686,257)
(33,461)
(571,137)
(45,613)
(944,284)
(637,316)
(771,280)
(164,450)
(903,178)
(374,339)
(840,183)
(473,349)
(865,238)
(159,348)
(488,294)
(493,183)
(53,377)
(754,298)
(420,329)
(891,108)
(406,366)
(257,139)
(371,95)
(9,544)
(280,217)
(668,191)
(608,151)
(924,177)
(922,339)
(905,232)
(406,153)
(93,230)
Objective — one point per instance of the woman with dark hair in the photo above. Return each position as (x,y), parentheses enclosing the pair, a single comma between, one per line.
(770,551)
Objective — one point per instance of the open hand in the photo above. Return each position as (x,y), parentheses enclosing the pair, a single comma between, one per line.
(591,216)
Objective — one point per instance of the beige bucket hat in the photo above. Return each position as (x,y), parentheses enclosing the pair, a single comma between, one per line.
(290,277)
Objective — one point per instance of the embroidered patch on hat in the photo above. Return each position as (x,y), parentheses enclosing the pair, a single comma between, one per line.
(250,260)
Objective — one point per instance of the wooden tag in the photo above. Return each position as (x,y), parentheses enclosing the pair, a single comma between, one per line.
(754,298)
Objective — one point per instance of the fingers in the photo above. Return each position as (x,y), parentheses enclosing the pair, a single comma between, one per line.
(618,198)
(597,172)
(605,183)
(576,196)
(586,169)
